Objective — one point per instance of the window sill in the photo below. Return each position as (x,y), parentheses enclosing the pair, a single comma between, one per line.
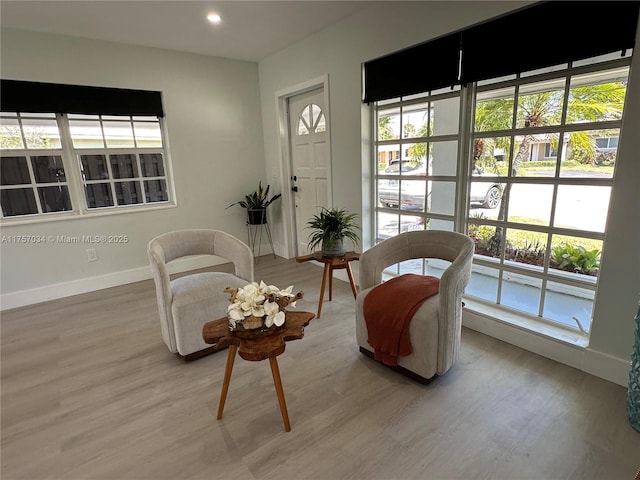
(47,218)
(522,322)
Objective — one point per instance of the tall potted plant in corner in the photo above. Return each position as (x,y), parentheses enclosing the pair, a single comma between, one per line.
(256,204)
(330,228)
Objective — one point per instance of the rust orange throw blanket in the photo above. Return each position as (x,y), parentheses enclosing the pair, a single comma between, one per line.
(387,310)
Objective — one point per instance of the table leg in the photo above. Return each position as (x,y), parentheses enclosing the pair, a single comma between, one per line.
(353,283)
(231,356)
(275,371)
(330,282)
(324,282)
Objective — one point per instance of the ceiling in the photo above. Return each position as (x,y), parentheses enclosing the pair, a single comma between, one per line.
(250,30)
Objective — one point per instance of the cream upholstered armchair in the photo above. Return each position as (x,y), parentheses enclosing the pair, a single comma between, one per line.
(186,303)
(435,328)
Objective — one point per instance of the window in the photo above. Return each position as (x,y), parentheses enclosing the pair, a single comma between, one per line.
(417,153)
(311,120)
(532,191)
(56,163)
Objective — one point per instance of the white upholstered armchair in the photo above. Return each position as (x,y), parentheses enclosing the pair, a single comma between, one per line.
(435,328)
(186,303)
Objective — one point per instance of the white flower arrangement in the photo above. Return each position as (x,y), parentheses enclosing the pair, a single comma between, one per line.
(260,301)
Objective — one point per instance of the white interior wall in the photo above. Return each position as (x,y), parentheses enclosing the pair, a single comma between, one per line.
(214,128)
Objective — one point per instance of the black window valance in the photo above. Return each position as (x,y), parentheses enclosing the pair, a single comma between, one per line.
(549,33)
(536,36)
(37,97)
(427,66)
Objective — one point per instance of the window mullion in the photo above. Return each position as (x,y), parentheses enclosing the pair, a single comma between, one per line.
(34,185)
(71,165)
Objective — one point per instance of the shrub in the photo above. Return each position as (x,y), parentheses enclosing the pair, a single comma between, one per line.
(575,258)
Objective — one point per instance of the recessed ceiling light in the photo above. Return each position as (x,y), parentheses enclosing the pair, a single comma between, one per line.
(214,18)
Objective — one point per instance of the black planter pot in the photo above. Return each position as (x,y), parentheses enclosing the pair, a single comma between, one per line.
(257,216)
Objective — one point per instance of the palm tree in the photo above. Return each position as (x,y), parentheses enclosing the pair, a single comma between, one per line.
(585,103)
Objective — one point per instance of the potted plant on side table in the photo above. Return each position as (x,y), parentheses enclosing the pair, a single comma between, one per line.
(256,204)
(330,228)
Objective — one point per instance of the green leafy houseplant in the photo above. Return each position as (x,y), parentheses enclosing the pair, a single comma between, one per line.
(329,229)
(256,204)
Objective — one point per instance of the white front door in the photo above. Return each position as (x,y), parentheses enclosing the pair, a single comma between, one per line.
(308,134)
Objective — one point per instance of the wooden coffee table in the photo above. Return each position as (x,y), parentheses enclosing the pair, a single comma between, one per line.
(255,350)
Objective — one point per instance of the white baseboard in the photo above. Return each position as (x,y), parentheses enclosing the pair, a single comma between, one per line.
(568,351)
(51,292)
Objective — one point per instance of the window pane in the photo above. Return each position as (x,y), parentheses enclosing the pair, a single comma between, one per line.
(530,203)
(415,265)
(128,193)
(86,134)
(445,116)
(48,169)
(583,207)
(389,124)
(439,224)
(414,159)
(494,110)
(389,193)
(487,239)
(156,191)
(94,167)
(388,225)
(303,128)
(316,112)
(83,116)
(590,153)
(483,283)
(413,194)
(10,136)
(566,303)
(123,166)
(526,247)
(542,156)
(98,195)
(41,133)
(415,120)
(411,223)
(152,164)
(491,156)
(597,96)
(485,198)
(442,197)
(54,199)
(14,171)
(577,255)
(540,103)
(436,267)
(147,134)
(521,292)
(18,201)
(445,158)
(388,159)
(118,134)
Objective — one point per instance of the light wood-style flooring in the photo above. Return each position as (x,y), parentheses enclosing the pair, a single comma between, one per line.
(90,391)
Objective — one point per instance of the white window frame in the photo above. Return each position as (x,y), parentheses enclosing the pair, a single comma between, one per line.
(462,216)
(74,179)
